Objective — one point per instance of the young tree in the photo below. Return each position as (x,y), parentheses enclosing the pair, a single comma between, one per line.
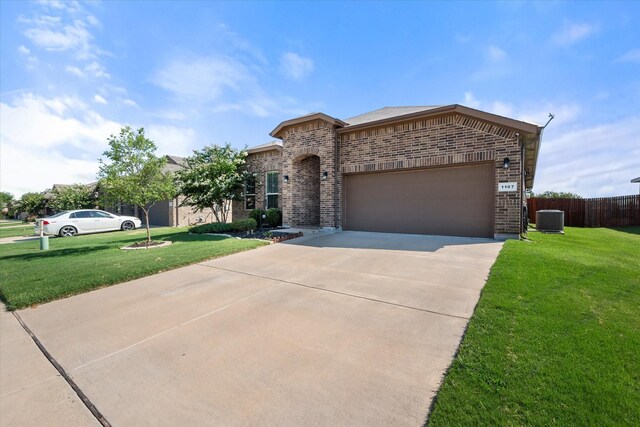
(132,173)
(6,202)
(76,196)
(32,204)
(212,178)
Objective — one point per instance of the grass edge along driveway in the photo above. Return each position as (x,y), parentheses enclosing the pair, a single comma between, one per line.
(17,231)
(74,265)
(555,337)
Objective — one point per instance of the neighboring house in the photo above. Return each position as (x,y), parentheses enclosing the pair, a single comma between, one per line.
(48,194)
(169,213)
(448,170)
(636,180)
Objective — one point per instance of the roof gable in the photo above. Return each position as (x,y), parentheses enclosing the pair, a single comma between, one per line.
(277,132)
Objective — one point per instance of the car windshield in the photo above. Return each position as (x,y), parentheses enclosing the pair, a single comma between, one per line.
(57,215)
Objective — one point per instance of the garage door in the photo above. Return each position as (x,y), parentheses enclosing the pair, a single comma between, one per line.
(455,201)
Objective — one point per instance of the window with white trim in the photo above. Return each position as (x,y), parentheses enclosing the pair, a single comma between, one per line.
(250,193)
(271,190)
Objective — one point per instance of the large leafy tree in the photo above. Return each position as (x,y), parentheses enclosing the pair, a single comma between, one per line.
(32,204)
(132,173)
(212,178)
(76,196)
(6,202)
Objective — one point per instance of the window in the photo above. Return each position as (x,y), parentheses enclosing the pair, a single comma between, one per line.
(272,190)
(81,214)
(250,193)
(99,214)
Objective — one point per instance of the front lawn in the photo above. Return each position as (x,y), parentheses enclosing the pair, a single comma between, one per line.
(78,264)
(555,338)
(22,230)
(11,223)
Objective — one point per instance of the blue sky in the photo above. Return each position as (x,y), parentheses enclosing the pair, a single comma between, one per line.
(198,73)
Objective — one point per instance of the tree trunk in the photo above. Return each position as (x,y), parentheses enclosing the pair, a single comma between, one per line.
(223,210)
(146,221)
(215,213)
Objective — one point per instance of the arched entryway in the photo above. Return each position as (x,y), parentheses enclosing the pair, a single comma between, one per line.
(305,197)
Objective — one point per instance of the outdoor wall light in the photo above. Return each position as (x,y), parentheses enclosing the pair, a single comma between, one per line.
(286,179)
(505,163)
(325,174)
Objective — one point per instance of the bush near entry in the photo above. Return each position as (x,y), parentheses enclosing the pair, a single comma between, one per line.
(274,217)
(238,225)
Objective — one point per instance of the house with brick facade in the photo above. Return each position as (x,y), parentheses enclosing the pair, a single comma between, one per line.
(171,212)
(444,170)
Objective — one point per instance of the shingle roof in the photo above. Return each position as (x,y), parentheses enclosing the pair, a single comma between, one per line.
(386,113)
(264,147)
(636,179)
(174,163)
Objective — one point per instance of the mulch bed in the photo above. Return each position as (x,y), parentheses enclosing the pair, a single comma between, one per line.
(144,245)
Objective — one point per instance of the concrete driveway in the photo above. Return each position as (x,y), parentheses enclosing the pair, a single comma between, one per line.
(340,329)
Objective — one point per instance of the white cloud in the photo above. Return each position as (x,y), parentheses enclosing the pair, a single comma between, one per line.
(75,71)
(23,50)
(94,21)
(25,170)
(500,108)
(493,66)
(571,33)
(537,114)
(592,161)
(203,79)
(631,56)
(100,100)
(178,141)
(494,53)
(470,100)
(63,148)
(564,114)
(130,103)
(51,35)
(295,66)
(63,26)
(97,70)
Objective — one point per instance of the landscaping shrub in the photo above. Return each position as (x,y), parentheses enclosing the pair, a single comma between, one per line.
(274,217)
(244,224)
(214,227)
(256,214)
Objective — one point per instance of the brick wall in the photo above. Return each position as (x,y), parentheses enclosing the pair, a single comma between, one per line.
(306,187)
(182,216)
(315,138)
(260,164)
(439,141)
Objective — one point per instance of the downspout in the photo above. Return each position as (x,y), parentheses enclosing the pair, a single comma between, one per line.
(535,161)
(522,182)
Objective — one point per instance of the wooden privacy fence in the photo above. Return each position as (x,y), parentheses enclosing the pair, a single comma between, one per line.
(599,212)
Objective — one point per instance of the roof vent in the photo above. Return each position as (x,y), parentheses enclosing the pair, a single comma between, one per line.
(550,221)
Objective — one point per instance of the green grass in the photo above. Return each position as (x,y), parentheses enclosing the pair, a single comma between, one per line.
(11,223)
(78,264)
(555,338)
(26,230)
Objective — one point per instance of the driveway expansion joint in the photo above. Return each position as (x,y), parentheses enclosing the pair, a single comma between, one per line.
(83,397)
(339,293)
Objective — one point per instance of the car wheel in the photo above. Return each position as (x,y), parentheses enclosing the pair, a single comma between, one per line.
(128,225)
(68,231)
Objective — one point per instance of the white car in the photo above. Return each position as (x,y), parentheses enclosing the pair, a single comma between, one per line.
(85,221)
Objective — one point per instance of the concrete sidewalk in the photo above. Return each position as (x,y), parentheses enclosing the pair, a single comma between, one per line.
(17,239)
(32,392)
